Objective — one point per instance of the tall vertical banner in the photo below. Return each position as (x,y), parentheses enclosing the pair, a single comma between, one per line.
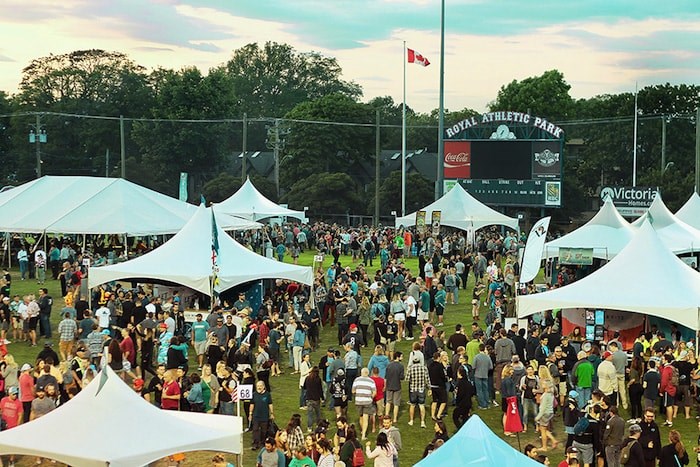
(532,257)
(183,186)
(420,222)
(435,221)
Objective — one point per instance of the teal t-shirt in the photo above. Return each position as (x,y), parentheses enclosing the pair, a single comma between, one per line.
(425,301)
(200,330)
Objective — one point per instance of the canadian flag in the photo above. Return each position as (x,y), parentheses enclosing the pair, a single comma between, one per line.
(415,57)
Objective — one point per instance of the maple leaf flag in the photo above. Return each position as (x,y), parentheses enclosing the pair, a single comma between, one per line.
(415,57)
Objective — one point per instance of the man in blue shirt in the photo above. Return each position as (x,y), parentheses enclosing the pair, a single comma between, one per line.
(200,329)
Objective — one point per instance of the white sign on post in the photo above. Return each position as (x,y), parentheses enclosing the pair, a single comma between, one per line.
(245,392)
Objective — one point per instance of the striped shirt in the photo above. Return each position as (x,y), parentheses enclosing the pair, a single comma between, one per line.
(363,388)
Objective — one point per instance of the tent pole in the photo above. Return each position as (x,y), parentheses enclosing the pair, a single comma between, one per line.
(9,250)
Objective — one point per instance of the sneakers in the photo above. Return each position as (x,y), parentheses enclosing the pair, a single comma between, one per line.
(422,424)
(668,423)
(410,423)
(495,404)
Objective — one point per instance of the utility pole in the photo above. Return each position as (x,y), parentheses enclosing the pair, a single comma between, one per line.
(697,151)
(663,144)
(107,163)
(123,145)
(377,154)
(441,112)
(276,142)
(245,147)
(37,136)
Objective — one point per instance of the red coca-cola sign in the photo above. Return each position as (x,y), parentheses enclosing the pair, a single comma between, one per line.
(458,159)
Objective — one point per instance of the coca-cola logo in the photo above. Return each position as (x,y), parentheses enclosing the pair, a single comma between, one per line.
(456,159)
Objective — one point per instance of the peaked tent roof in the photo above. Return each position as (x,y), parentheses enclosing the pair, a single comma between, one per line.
(661,285)
(249,203)
(678,236)
(690,211)
(607,233)
(485,449)
(461,210)
(186,259)
(78,429)
(94,205)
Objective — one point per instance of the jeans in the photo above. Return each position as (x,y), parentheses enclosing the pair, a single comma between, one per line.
(455,293)
(482,392)
(41,275)
(584,395)
(313,413)
(302,397)
(612,455)
(259,433)
(529,406)
(226,408)
(45,324)
(291,356)
(350,376)
(23,268)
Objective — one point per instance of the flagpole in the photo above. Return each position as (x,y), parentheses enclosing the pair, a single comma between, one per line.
(634,149)
(403,138)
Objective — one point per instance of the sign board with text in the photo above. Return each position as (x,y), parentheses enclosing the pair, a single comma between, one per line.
(630,201)
(532,193)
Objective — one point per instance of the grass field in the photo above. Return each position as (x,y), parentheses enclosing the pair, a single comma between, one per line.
(285,390)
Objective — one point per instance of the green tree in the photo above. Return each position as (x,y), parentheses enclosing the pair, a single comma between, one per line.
(271,80)
(419,192)
(313,148)
(221,187)
(167,147)
(325,193)
(545,96)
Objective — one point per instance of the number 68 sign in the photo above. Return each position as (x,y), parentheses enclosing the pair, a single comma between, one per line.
(245,392)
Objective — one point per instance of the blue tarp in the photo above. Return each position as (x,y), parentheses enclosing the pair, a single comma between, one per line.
(476,445)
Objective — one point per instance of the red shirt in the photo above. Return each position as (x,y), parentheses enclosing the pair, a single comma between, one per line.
(26,387)
(127,345)
(170,389)
(11,410)
(379,382)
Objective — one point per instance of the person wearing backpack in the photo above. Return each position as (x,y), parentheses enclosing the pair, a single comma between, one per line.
(351,452)
(587,436)
(674,454)
(669,388)
(631,454)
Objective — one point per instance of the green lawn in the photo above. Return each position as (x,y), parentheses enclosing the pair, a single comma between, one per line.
(285,388)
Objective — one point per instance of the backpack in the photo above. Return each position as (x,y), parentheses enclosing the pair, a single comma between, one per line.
(625,452)
(581,426)
(674,376)
(358,456)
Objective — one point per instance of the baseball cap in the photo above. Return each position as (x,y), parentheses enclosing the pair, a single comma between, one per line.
(573,394)
(106,332)
(683,354)
(138,383)
(25,367)
(581,354)
(635,428)
(353,326)
(571,450)
(607,354)
(13,390)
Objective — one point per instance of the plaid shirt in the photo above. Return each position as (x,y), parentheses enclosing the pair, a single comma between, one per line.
(417,378)
(67,330)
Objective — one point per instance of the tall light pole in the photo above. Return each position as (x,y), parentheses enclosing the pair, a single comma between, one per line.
(37,135)
(441,112)
(276,141)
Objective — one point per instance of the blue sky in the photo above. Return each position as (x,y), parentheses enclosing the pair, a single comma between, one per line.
(600,46)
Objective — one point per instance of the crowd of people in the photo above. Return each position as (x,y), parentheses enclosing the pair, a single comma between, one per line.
(567,389)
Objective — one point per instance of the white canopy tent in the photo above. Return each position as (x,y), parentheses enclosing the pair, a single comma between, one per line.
(646,277)
(607,233)
(678,236)
(108,424)
(690,211)
(460,210)
(249,203)
(187,259)
(93,205)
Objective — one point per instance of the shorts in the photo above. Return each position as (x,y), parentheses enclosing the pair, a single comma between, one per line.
(544,421)
(393,397)
(669,400)
(32,323)
(439,310)
(416,398)
(400,316)
(585,452)
(439,395)
(340,402)
(379,406)
(17,322)
(391,345)
(274,355)
(423,315)
(366,409)
(685,399)
(200,347)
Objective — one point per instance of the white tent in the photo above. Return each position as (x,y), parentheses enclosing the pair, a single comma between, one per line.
(646,277)
(678,236)
(607,233)
(108,424)
(93,205)
(460,210)
(249,203)
(186,259)
(690,211)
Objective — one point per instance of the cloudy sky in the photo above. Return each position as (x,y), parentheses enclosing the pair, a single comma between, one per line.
(601,46)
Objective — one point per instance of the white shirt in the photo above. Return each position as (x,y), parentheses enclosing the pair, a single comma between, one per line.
(151,308)
(428,269)
(23,310)
(410,303)
(40,258)
(102,315)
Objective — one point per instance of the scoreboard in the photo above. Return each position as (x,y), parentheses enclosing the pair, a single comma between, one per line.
(507,164)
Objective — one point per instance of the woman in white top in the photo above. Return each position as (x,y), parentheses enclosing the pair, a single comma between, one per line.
(383,454)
